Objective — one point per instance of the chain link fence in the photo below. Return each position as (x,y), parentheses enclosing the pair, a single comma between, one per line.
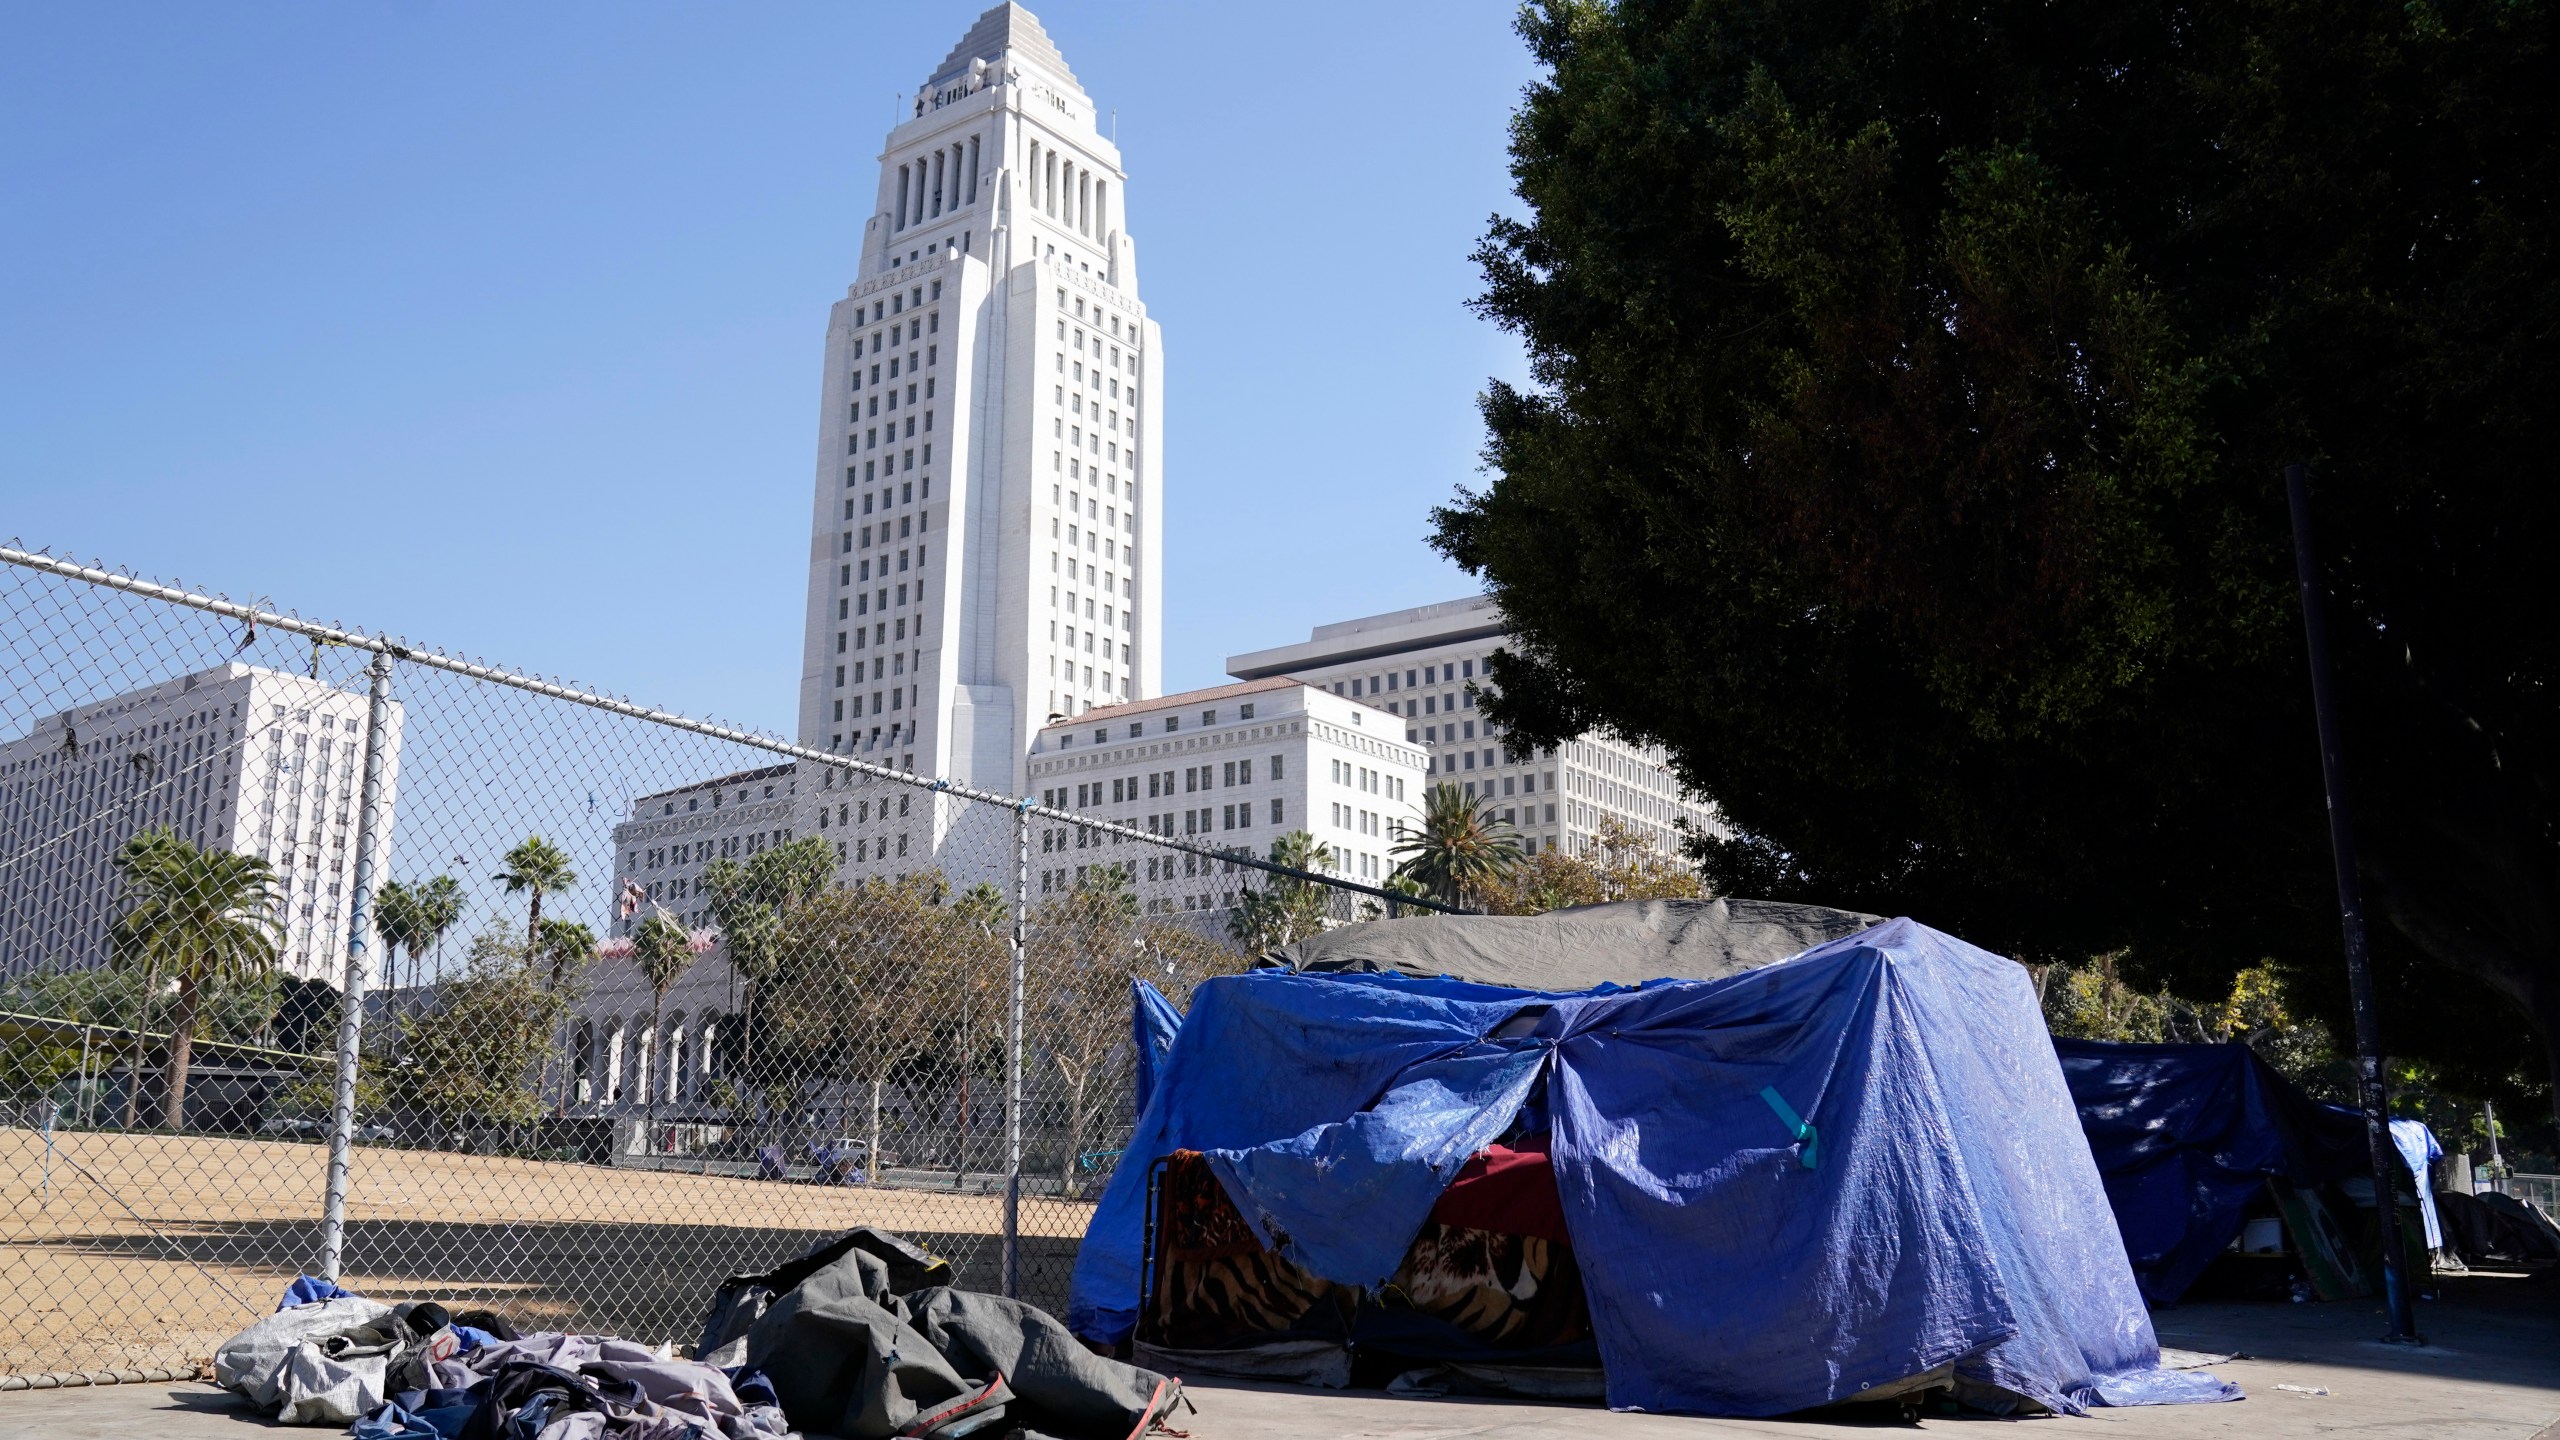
(322,953)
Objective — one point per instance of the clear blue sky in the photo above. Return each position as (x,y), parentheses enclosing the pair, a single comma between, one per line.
(499,326)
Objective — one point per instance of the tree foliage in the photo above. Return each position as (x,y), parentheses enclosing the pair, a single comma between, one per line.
(1085,949)
(474,1056)
(1284,909)
(868,985)
(1911,387)
(1619,864)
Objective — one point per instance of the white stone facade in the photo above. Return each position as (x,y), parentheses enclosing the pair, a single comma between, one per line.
(236,758)
(1426,665)
(987,516)
(1234,767)
(660,849)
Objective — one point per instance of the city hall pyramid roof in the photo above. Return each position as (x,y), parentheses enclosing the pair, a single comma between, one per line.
(1006,28)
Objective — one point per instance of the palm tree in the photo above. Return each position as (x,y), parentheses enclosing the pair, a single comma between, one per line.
(1460,850)
(565,948)
(439,901)
(1287,909)
(663,951)
(536,867)
(397,920)
(133,861)
(201,917)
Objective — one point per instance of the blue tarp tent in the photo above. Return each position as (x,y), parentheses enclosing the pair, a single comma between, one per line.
(2184,1135)
(1787,1187)
(1153,1022)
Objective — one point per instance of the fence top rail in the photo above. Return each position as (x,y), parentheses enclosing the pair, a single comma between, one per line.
(17,1026)
(253,616)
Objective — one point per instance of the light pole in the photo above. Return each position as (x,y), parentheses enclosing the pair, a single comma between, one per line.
(2342,845)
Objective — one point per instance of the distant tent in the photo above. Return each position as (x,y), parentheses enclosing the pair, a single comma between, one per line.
(1840,1177)
(2185,1135)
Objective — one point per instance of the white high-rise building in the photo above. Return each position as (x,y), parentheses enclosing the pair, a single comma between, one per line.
(985,529)
(1234,767)
(986,532)
(232,758)
(1427,665)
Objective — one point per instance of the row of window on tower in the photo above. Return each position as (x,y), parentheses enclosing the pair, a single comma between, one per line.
(890,378)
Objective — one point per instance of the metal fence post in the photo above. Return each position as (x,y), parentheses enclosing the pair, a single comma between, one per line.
(342,1115)
(1013,1054)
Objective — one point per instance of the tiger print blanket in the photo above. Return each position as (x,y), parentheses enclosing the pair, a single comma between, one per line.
(1216,1288)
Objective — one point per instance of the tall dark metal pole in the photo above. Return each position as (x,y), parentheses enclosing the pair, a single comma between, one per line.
(2342,844)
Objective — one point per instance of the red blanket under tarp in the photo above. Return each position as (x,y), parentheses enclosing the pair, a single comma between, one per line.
(1509,1190)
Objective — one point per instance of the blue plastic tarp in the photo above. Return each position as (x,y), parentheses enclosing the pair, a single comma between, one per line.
(1950,1215)
(2184,1135)
(1153,1022)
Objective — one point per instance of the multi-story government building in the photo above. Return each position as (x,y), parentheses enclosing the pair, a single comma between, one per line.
(986,539)
(1233,767)
(1426,665)
(231,758)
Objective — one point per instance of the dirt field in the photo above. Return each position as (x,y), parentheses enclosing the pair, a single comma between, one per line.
(145,1251)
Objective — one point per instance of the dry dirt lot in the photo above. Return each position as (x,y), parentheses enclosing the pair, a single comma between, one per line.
(143,1251)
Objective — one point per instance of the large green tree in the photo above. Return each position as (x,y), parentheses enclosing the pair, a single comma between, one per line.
(747,904)
(1911,387)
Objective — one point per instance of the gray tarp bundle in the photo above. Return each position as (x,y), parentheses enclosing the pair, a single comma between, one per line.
(860,1339)
(1626,943)
(310,1364)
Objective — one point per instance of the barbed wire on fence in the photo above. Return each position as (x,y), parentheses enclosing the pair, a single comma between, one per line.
(455,982)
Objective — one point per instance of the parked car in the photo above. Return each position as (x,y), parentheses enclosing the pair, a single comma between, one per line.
(316,1127)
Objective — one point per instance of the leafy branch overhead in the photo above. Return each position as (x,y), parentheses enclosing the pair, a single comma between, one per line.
(1909,393)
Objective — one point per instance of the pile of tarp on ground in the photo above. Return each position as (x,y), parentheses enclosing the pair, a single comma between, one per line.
(863,1337)
(1801,1183)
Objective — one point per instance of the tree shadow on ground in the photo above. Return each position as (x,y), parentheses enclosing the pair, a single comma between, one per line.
(646,1282)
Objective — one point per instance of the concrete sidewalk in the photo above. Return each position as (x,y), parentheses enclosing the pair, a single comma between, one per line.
(2491,1372)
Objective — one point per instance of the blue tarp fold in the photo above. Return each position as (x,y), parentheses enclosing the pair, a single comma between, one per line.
(1343,1200)
(1952,1215)
(1153,1022)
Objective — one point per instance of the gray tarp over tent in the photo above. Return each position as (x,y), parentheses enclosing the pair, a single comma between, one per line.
(1626,943)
